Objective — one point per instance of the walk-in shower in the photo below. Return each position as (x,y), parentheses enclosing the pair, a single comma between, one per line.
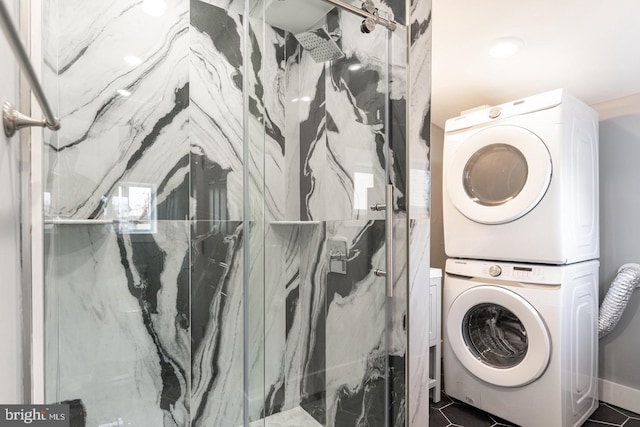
(224,212)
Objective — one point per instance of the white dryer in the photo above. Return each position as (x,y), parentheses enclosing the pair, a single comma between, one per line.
(521,340)
(521,182)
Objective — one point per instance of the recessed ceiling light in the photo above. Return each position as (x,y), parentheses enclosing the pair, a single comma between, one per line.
(355,67)
(505,47)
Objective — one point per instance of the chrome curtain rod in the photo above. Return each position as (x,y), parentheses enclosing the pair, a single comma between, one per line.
(12,119)
(391,25)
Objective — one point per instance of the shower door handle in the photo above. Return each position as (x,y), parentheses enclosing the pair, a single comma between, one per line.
(388,217)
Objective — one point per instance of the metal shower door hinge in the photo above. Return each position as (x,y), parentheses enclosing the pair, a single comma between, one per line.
(369,6)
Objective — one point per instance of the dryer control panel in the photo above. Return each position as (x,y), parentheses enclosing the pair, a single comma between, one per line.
(483,114)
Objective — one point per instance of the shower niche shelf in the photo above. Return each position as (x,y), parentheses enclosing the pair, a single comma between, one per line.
(294,223)
(63,221)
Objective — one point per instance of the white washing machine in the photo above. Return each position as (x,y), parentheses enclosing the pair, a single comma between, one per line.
(521,340)
(521,182)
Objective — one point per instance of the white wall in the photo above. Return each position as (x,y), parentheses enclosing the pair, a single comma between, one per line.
(620,243)
(438,256)
(10,303)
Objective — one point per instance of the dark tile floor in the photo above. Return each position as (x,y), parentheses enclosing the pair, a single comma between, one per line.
(453,413)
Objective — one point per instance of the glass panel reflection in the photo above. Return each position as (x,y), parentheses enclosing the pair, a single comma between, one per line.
(134,208)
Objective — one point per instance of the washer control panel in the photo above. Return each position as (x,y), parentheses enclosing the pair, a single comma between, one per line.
(506,271)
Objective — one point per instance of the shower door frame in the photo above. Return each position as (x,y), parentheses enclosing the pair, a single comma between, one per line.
(32,214)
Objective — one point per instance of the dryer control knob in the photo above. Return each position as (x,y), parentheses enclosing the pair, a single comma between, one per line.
(495,270)
(495,112)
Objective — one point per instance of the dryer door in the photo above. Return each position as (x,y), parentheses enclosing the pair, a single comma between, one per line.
(499,174)
(498,336)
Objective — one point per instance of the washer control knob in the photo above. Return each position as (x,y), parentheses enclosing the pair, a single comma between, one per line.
(495,270)
(495,112)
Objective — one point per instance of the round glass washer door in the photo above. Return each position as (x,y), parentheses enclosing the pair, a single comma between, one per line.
(499,174)
(498,336)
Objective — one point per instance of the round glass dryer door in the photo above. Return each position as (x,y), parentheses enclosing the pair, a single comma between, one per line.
(499,174)
(498,336)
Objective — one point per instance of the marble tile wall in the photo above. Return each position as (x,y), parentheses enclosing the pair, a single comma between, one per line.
(218,233)
(124,121)
(330,359)
(118,322)
(217,299)
(118,312)
(341,134)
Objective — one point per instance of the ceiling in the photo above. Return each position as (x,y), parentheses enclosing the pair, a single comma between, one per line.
(589,47)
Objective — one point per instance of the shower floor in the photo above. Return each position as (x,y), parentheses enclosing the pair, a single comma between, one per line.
(296,417)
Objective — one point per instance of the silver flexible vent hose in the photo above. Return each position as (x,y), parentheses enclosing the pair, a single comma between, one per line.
(615,302)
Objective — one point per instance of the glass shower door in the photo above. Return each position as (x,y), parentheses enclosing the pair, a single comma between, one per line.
(332,330)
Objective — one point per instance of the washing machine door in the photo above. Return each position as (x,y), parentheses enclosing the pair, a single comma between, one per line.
(498,336)
(499,174)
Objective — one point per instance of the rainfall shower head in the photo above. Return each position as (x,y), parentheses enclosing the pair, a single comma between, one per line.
(320,45)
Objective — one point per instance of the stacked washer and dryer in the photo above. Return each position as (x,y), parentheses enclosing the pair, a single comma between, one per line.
(521,228)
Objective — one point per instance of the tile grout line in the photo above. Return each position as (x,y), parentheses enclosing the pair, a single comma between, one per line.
(604,423)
